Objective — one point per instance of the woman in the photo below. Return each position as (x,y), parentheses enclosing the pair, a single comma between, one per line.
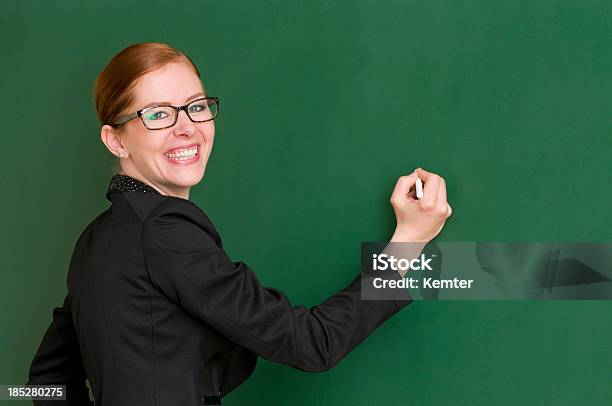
(156,312)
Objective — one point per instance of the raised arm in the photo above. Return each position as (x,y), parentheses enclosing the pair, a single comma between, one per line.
(58,360)
(187,264)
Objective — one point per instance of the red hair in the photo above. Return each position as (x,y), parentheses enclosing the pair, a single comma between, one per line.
(114,87)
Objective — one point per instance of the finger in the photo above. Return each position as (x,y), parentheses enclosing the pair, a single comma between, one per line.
(450,209)
(423,174)
(426,176)
(442,203)
(442,193)
(430,191)
(402,187)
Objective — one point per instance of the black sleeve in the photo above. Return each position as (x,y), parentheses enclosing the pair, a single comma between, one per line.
(186,263)
(58,360)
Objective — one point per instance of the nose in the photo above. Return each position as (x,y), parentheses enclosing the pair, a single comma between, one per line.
(184,125)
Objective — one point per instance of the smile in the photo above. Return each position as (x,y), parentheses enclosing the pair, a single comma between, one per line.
(183,154)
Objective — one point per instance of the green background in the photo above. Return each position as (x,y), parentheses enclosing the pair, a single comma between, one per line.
(323,105)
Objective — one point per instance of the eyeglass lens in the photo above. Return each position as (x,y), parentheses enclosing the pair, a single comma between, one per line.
(164,116)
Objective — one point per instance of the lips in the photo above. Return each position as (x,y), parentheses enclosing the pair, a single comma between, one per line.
(184,155)
(183,148)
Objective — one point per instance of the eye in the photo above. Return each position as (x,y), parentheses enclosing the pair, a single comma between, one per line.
(198,107)
(156,115)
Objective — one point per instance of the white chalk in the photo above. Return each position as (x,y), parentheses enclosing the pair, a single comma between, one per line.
(419,188)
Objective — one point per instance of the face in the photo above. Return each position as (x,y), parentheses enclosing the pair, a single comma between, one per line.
(147,152)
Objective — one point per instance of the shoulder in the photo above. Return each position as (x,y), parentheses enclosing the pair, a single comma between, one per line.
(181,223)
(96,226)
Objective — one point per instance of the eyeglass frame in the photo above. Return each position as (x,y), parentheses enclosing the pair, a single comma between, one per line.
(139,113)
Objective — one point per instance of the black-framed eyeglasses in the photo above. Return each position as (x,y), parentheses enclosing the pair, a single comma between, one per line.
(159,117)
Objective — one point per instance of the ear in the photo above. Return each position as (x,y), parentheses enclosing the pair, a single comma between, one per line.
(111,137)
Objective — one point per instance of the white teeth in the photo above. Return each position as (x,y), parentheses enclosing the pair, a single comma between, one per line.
(183,154)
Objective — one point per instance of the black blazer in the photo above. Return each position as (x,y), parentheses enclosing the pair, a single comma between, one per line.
(158,314)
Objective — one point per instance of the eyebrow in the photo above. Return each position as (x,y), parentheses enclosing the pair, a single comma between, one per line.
(170,104)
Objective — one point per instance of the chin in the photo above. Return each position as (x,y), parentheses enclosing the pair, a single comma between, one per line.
(188,179)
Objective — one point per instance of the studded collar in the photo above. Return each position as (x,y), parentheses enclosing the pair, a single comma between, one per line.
(125,183)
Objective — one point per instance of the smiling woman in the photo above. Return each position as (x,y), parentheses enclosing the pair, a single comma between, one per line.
(156,312)
(164,148)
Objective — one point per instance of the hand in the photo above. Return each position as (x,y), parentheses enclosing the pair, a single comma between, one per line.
(419,220)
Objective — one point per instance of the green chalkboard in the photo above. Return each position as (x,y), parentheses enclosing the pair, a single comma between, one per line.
(323,105)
